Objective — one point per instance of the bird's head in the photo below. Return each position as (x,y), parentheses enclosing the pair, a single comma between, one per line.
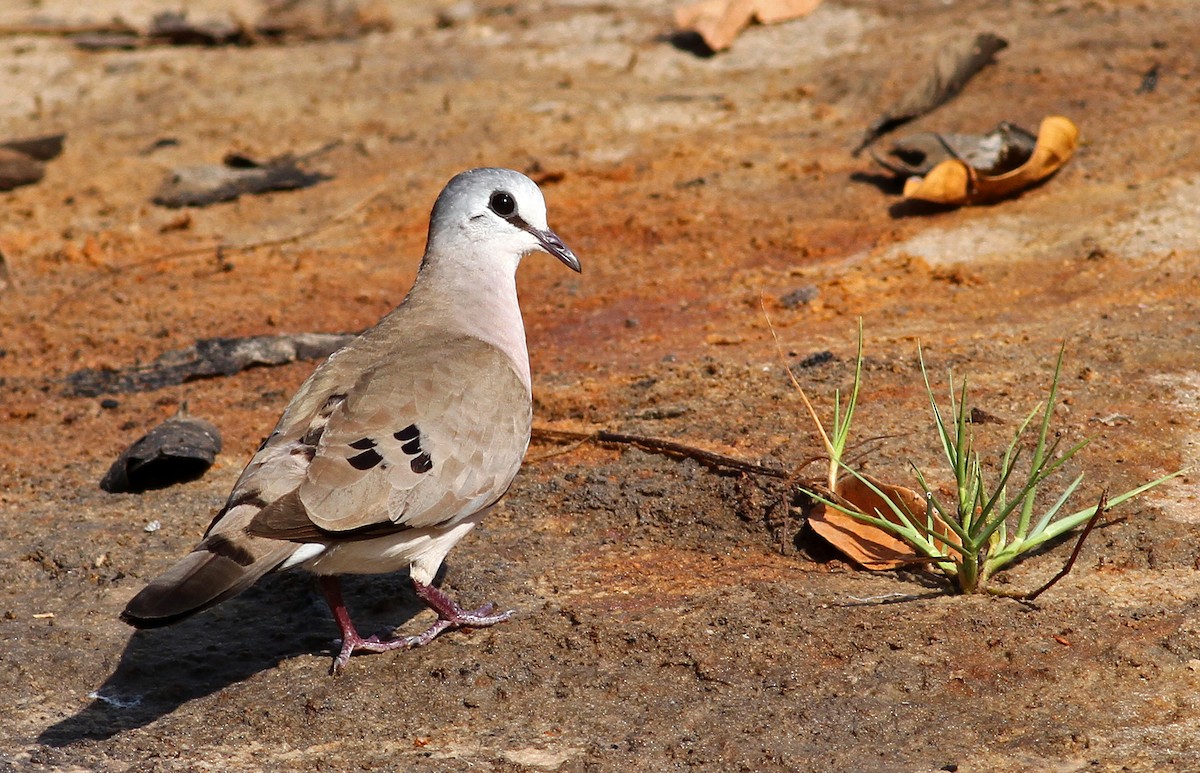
(493,214)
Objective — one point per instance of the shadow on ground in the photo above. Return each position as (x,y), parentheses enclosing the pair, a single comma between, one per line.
(284,616)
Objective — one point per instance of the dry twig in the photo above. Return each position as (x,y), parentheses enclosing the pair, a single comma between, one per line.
(52,29)
(665,447)
(1101,509)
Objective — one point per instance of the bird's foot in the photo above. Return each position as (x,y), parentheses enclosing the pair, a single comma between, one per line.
(352,642)
(458,618)
(451,615)
(477,618)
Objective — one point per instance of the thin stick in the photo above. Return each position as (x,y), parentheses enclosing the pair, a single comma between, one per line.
(64,30)
(663,446)
(222,248)
(1101,509)
(558,452)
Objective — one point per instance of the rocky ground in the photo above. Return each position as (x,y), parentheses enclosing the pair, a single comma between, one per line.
(668,616)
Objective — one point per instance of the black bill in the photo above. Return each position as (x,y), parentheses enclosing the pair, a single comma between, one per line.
(554,245)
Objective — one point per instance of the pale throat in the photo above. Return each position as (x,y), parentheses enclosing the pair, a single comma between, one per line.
(480,299)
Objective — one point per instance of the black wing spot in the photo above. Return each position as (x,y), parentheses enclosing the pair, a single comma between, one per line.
(410,438)
(363,444)
(366,460)
(421,464)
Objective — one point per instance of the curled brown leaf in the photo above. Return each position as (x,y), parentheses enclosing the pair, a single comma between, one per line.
(953,182)
(868,545)
(718,22)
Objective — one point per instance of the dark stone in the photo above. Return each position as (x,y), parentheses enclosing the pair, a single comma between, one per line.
(801,296)
(176,451)
(817,359)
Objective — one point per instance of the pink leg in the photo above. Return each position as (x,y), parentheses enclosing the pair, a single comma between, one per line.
(351,641)
(450,615)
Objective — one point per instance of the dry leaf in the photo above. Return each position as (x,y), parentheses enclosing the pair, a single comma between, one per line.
(953,182)
(1057,138)
(720,21)
(947,183)
(869,546)
(1002,149)
(775,11)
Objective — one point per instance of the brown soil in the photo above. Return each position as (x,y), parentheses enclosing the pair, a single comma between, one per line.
(667,616)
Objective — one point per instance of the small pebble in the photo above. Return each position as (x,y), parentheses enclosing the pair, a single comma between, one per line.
(801,296)
(816,359)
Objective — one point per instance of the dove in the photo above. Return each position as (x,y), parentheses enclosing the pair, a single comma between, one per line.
(399,443)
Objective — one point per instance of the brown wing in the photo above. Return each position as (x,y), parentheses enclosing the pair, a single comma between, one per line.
(421,441)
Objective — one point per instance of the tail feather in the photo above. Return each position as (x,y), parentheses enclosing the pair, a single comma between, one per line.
(215,571)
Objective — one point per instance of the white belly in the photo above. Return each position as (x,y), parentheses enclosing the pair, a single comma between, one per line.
(422,550)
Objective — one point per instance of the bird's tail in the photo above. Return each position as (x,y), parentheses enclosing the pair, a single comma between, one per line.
(220,567)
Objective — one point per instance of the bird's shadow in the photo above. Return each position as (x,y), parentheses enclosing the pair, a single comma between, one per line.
(283,616)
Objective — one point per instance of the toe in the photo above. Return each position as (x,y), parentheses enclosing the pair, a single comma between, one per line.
(339,662)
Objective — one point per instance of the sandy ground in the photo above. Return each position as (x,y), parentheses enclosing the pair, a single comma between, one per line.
(668,617)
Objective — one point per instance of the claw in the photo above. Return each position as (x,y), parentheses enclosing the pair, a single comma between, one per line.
(354,643)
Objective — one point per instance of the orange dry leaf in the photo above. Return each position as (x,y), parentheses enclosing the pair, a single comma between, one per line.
(1057,138)
(947,183)
(720,21)
(866,545)
(955,183)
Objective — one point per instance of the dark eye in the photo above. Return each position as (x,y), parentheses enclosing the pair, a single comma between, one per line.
(503,204)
